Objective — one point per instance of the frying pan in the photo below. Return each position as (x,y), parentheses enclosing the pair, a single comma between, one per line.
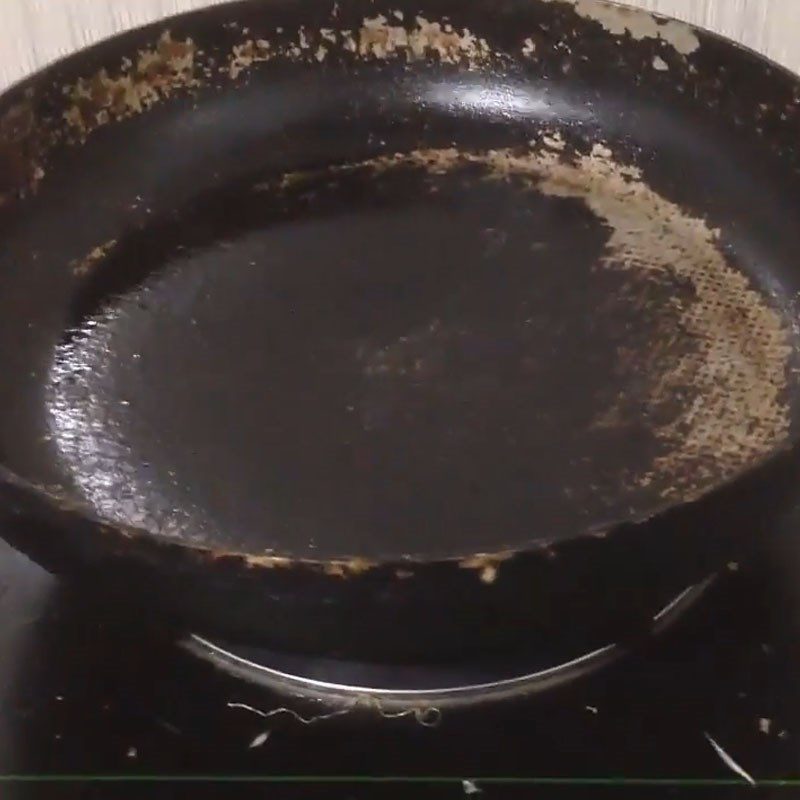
(399,331)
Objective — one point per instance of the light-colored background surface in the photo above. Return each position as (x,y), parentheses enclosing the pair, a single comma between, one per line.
(34,32)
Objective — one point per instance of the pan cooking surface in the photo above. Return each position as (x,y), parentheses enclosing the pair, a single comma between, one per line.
(424,347)
(398,326)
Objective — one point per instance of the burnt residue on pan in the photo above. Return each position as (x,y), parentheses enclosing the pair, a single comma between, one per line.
(155,74)
(638,24)
(716,383)
(20,150)
(95,256)
(172,65)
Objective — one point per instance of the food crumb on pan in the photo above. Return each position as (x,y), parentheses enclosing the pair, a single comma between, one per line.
(659,64)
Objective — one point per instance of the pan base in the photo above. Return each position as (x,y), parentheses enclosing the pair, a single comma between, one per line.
(425,688)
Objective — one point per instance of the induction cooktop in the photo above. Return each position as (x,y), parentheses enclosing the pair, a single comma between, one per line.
(95,700)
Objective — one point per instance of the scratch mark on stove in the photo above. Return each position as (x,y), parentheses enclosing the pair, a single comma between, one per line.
(168,726)
(259,740)
(728,761)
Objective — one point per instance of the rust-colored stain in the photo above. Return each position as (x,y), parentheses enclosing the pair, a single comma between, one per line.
(347,567)
(156,74)
(381,37)
(637,23)
(172,65)
(728,349)
(19,151)
(83,266)
(338,568)
(266,561)
(246,54)
(486,564)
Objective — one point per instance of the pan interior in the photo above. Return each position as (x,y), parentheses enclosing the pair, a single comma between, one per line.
(438,353)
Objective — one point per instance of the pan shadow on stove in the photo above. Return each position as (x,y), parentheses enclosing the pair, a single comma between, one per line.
(86,690)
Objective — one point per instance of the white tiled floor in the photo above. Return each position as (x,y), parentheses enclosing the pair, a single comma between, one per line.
(33,32)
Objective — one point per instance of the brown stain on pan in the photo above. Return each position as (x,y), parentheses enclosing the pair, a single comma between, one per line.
(380,37)
(20,151)
(156,74)
(337,568)
(243,56)
(638,23)
(344,568)
(264,561)
(728,356)
(172,65)
(486,564)
(83,266)
(27,137)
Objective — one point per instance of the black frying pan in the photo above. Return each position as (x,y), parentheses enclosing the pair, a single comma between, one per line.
(399,330)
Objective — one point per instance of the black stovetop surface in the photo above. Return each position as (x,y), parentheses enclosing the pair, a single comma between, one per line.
(88,696)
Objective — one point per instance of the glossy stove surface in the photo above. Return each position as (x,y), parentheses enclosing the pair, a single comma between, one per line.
(87,692)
